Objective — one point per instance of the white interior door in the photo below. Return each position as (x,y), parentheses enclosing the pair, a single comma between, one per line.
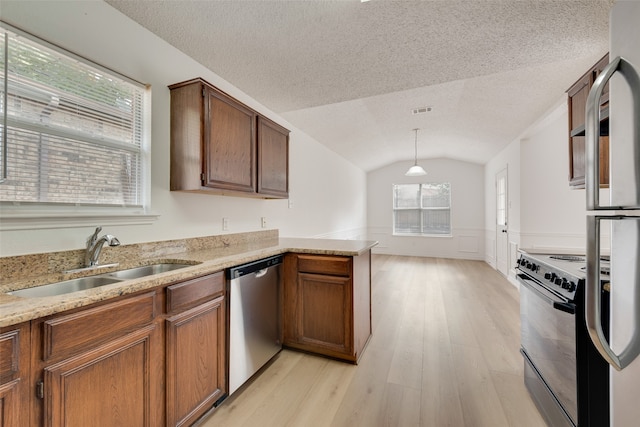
(502,234)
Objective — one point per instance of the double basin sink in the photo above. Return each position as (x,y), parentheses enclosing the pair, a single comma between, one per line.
(89,282)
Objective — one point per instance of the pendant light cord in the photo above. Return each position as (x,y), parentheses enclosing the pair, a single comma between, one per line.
(416,148)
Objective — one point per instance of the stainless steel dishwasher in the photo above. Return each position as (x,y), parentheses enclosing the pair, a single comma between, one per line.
(254,317)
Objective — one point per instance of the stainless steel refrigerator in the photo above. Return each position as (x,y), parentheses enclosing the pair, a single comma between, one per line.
(613,214)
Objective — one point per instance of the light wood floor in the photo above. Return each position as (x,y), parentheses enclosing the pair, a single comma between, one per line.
(444,352)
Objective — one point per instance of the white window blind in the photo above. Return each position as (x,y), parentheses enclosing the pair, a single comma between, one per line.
(71,132)
(422,209)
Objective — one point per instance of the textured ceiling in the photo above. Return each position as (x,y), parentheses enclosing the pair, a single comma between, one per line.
(348,73)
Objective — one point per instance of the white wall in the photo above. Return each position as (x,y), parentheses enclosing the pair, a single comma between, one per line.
(544,212)
(328,193)
(467,209)
(508,158)
(552,214)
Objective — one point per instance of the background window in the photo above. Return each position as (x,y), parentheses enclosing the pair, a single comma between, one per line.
(422,209)
(71,132)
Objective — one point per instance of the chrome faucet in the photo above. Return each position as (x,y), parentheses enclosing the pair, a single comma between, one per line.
(94,246)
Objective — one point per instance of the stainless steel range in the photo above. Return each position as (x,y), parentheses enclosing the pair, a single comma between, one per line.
(565,375)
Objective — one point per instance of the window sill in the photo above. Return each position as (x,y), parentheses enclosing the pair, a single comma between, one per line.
(422,235)
(38,220)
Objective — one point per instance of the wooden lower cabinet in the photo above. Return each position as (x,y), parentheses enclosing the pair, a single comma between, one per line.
(99,366)
(196,361)
(10,412)
(14,375)
(113,385)
(149,359)
(327,304)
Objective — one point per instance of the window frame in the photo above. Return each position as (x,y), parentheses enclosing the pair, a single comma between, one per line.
(421,210)
(42,215)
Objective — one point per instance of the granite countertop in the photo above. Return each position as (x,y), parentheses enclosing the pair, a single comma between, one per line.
(14,310)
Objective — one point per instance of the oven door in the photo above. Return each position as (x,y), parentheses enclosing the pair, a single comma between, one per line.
(548,337)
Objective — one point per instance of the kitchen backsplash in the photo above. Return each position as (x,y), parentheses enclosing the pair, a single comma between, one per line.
(24,266)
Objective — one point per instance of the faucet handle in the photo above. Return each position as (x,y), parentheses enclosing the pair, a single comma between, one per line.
(92,239)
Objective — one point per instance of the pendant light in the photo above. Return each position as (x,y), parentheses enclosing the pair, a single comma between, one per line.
(416,170)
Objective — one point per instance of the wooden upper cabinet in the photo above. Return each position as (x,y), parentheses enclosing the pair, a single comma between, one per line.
(273,159)
(577,101)
(229,143)
(221,146)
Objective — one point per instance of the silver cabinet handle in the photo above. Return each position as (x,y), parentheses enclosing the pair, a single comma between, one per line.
(593,302)
(592,125)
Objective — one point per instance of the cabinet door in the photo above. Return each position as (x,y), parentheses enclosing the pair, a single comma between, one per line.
(113,385)
(324,313)
(196,361)
(14,373)
(577,102)
(273,159)
(9,410)
(229,144)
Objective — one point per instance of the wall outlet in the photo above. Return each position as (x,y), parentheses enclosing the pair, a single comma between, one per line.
(263,221)
(225,224)
(290,203)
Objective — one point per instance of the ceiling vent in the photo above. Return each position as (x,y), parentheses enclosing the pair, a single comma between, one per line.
(420,110)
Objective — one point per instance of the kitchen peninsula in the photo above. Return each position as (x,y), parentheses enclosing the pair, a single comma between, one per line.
(63,345)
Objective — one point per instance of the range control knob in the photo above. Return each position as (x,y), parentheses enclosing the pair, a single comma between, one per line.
(558,281)
(547,276)
(565,284)
(572,286)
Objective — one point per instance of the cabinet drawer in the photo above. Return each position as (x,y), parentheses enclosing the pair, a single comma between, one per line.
(66,335)
(331,265)
(193,292)
(9,354)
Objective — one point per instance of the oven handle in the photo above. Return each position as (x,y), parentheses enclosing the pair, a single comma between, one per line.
(567,307)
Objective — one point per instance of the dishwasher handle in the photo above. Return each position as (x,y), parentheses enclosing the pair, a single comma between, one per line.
(260,266)
(262,272)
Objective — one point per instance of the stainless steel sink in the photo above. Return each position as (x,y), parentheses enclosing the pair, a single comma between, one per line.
(65,287)
(145,270)
(83,283)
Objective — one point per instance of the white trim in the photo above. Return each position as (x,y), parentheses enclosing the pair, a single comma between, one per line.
(40,221)
(40,215)
(64,51)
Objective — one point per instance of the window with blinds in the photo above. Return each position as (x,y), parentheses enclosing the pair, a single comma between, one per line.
(71,132)
(422,209)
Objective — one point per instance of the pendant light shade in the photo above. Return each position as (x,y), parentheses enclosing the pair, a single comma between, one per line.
(416,170)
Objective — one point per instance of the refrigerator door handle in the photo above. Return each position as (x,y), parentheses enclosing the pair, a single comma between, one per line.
(592,125)
(593,302)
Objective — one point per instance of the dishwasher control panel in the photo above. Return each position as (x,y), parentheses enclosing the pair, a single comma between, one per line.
(252,267)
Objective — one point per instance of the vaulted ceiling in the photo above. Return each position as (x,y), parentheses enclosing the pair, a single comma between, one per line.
(348,73)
